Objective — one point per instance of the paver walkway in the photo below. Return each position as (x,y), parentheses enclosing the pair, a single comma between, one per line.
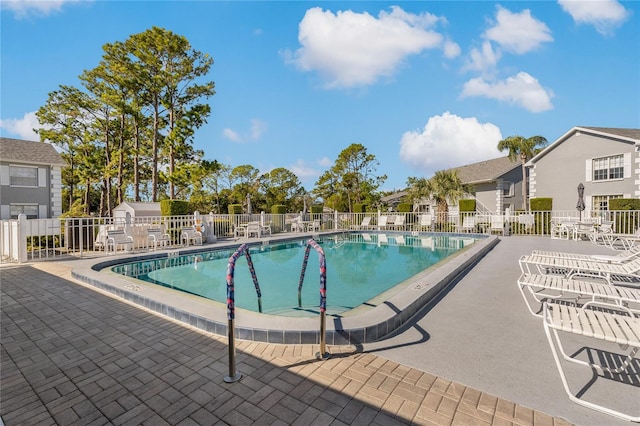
(72,355)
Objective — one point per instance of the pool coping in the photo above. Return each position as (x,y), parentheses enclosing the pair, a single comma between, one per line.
(353,329)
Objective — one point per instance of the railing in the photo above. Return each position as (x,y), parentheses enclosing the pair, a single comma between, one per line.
(26,240)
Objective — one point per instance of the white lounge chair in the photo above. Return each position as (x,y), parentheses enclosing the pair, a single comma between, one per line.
(156,238)
(398,223)
(366,223)
(613,324)
(117,238)
(623,256)
(497,223)
(190,235)
(382,222)
(468,224)
(425,222)
(253,228)
(543,287)
(611,272)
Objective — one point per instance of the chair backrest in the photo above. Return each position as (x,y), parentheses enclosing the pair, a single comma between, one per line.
(497,221)
(399,220)
(383,220)
(469,222)
(366,221)
(189,230)
(425,220)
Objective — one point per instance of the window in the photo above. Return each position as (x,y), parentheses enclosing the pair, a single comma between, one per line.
(23,176)
(508,189)
(608,168)
(601,202)
(31,210)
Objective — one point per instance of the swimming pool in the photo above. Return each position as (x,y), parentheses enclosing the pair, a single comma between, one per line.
(360,267)
(369,322)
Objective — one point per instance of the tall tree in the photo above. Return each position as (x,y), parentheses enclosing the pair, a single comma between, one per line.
(443,187)
(171,70)
(521,148)
(282,186)
(352,176)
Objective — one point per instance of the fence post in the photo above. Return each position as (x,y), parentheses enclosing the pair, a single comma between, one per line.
(21,238)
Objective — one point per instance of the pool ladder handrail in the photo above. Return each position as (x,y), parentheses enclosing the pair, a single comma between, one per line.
(323,354)
(243,249)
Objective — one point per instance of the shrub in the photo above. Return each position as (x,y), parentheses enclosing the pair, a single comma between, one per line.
(542,219)
(625,223)
(235,208)
(467,205)
(405,207)
(278,209)
(175,208)
(359,208)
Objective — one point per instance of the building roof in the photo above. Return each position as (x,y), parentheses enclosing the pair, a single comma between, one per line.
(140,208)
(486,171)
(631,136)
(30,152)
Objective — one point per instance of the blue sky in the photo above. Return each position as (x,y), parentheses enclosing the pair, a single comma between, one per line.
(424,86)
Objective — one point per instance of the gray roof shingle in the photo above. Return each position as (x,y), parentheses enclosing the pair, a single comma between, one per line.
(486,171)
(31,152)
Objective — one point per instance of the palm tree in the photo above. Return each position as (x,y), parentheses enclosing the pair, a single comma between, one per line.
(443,187)
(522,148)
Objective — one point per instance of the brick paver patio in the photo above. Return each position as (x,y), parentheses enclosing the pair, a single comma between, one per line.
(72,355)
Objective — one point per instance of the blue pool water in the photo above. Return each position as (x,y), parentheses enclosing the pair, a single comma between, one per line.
(359,268)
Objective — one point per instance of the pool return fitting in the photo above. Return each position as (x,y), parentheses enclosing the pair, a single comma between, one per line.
(234,376)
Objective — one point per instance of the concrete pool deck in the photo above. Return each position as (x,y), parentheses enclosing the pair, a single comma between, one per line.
(74,355)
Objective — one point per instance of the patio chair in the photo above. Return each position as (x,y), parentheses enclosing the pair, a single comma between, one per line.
(398,223)
(117,238)
(497,224)
(468,224)
(297,225)
(545,287)
(314,225)
(265,229)
(190,235)
(424,222)
(621,257)
(382,222)
(253,228)
(366,223)
(624,272)
(156,238)
(612,324)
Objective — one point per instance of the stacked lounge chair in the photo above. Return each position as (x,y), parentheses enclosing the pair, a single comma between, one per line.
(610,284)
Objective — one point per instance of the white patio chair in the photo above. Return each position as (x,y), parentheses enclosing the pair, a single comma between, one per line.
(156,238)
(610,272)
(612,324)
(424,222)
(623,256)
(253,228)
(117,238)
(468,224)
(382,222)
(190,235)
(544,287)
(366,223)
(314,225)
(497,223)
(398,223)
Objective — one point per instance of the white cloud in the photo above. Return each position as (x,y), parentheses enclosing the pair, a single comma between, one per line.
(232,135)
(451,49)
(23,127)
(349,49)
(258,128)
(304,172)
(447,141)
(25,8)
(518,32)
(604,15)
(522,89)
(484,60)
(325,162)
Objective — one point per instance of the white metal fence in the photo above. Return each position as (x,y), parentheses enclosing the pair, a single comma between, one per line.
(24,240)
